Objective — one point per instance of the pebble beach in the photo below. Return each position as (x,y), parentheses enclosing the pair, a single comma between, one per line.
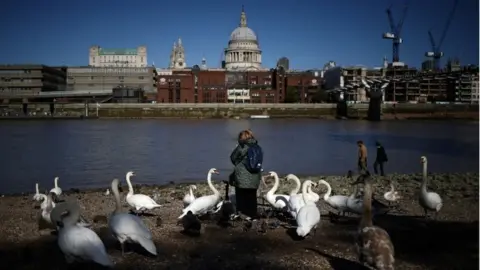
(449,242)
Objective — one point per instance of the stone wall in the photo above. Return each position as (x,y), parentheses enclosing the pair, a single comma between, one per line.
(186,110)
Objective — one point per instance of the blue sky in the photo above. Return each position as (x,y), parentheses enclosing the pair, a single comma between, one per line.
(308,32)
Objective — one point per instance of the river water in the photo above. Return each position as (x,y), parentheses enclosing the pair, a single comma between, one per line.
(87,154)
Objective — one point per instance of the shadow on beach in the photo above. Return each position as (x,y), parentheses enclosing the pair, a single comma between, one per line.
(420,243)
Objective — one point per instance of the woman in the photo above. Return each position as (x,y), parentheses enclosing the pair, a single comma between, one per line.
(245,182)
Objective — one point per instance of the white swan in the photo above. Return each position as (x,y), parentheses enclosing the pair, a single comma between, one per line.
(312,196)
(295,201)
(308,216)
(37,196)
(204,204)
(128,228)
(430,201)
(392,195)
(189,197)
(76,242)
(277,201)
(140,202)
(338,202)
(57,190)
(373,243)
(47,206)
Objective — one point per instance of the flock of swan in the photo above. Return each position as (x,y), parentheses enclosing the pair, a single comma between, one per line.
(78,242)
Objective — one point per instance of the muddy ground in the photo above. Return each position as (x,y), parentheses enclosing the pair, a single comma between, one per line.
(450,242)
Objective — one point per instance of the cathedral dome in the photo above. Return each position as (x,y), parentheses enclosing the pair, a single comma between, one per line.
(243,33)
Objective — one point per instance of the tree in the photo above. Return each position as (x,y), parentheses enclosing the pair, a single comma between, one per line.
(291,95)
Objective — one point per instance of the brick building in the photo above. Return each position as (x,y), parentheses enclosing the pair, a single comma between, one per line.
(223,86)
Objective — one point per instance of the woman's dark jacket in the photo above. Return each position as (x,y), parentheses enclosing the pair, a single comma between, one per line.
(242,177)
(381,154)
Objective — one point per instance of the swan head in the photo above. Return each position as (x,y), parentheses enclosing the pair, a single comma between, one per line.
(322,182)
(130,173)
(56,178)
(213,171)
(423,159)
(272,174)
(193,187)
(309,183)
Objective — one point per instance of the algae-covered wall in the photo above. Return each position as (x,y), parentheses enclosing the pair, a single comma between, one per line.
(185,110)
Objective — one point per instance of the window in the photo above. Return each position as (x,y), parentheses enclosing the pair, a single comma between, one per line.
(91,78)
(141,77)
(141,59)
(121,77)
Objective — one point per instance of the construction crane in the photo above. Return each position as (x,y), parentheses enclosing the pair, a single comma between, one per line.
(395,32)
(436,52)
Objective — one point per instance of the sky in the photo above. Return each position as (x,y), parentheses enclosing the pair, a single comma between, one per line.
(308,32)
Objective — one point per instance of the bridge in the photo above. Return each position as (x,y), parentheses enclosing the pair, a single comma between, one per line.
(59,94)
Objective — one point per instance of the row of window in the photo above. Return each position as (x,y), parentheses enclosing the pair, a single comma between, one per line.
(120,78)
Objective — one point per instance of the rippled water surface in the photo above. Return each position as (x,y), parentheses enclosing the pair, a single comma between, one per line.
(91,153)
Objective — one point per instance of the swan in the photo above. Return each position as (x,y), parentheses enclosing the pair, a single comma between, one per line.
(189,197)
(52,212)
(295,201)
(57,190)
(277,201)
(140,202)
(47,206)
(392,195)
(355,201)
(228,208)
(308,216)
(204,204)
(373,243)
(128,228)
(76,242)
(430,201)
(37,196)
(338,202)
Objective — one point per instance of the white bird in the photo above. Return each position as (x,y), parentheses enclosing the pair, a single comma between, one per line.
(392,195)
(189,197)
(295,201)
(277,201)
(47,206)
(107,192)
(140,202)
(312,195)
(204,204)
(430,201)
(37,196)
(338,202)
(308,216)
(57,190)
(128,228)
(76,242)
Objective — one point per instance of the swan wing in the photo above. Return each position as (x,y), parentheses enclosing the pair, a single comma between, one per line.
(142,200)
(188,199)
(201,205)
(83,243)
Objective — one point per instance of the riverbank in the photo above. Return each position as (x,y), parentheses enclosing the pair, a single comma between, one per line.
(402,111)
(451,242)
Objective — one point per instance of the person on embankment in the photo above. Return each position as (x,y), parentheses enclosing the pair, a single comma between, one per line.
(247,158)
(380,159)
(362,157)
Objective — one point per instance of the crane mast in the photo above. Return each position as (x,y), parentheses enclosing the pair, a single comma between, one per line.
(395,33)
(436,52)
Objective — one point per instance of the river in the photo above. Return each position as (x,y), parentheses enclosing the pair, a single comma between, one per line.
(88,154)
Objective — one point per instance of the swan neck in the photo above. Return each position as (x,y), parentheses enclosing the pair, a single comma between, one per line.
(129,183)
(298,185)
(424,177)
(117,197)
(36,189)
(275,185)
(191,192)
(227,187)
(329,191)
(210,185)
(56,182)
(305,186)
(366,220)
(73,214)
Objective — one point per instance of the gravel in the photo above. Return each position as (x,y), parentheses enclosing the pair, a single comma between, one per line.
(450,242)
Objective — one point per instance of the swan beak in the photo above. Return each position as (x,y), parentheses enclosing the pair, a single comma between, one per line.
(216,172)
(120,189)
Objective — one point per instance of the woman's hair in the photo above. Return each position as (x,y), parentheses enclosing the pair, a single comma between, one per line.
(245,135)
